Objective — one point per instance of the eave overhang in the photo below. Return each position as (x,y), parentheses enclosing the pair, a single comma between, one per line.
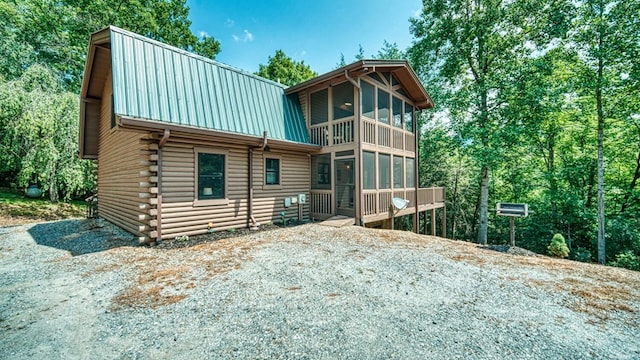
(400,68)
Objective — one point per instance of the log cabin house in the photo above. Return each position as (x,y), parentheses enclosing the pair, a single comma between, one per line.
(184,144)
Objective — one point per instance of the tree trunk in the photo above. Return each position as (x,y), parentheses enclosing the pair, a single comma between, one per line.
(454,202)
(601,234)
(53,189)
(484,205)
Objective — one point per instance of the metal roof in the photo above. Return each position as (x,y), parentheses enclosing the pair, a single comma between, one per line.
(155,81)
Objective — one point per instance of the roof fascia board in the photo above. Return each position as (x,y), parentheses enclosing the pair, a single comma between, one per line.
(188,131)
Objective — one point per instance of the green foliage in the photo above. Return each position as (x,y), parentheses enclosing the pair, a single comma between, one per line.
(285,70)
(580,254)
(56,33)
(558,246)
(39,135)
(628,260)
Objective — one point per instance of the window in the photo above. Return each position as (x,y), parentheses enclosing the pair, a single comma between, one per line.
(271,171)
(410,167)
(398,175)
(384,171)
(383,106)
(397,112)
(408,117)
(342,96)
(319,107)
(369,170)
(211,176)
(368,99)
(321,172)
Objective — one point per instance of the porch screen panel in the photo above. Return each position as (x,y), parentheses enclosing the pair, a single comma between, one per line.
(384,171)
(342,96)
(321,172)
(397,112)
(383,106)
(408,117)
(319,107)
(410,167)
(398,175)
(368,100)
(368,170)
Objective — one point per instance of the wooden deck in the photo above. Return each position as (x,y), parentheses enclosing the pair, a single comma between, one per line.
(338,221)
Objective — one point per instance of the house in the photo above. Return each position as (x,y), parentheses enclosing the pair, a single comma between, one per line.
(184,144)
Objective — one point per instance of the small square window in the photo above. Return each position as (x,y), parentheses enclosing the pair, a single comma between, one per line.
(272,171)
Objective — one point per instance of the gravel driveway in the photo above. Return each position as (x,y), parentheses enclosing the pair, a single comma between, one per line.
(83,289)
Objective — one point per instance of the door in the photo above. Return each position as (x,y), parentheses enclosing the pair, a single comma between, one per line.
(345,187)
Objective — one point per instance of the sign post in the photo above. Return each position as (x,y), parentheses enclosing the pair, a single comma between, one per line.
(513,211)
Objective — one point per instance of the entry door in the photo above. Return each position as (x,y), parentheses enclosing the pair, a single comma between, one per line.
(345,187)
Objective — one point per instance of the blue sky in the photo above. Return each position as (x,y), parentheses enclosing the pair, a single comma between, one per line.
(313,31)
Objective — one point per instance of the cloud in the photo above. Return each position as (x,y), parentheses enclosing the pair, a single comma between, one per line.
(247,37)
(229,22)
(203,34)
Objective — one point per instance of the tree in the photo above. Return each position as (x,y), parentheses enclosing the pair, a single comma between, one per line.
(390,52)
(470,47)
(39,141)
(56,33)
(606,35)
(285,70)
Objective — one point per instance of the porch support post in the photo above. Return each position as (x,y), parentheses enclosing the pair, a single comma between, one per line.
(433,222)
(444,222)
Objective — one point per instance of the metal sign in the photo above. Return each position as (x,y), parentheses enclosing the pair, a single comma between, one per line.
(512,209)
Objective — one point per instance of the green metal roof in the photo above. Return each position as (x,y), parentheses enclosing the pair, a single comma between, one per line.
(155,81)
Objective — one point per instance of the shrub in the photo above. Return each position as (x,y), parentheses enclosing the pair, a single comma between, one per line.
(558,247)
(628,260)
(581,254)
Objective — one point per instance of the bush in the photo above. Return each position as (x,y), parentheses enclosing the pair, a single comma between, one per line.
(627,260)
(558,247)
(581,254)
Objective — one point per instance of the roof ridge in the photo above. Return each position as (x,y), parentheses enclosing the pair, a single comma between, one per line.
(193,55)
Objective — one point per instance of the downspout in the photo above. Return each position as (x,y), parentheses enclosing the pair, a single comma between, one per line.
(161,143)
(358,169)
(416,178)
(252,220)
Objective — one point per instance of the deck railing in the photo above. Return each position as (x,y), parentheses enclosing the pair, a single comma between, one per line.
(343,132)
(377,202)
(321,201)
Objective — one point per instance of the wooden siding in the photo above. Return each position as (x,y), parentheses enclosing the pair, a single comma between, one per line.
(182,216)
(122,158)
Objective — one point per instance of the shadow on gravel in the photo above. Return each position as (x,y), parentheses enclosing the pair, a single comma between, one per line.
(513,250)
(81,236)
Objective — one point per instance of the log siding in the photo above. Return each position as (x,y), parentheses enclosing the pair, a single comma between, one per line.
(124,164)
(183,215)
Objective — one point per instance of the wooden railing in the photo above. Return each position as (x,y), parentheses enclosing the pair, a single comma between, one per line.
(369,132)
(430,196)
(319,135)
(384,136)
(398,139)
(343,132)
(321,201)
(370,205)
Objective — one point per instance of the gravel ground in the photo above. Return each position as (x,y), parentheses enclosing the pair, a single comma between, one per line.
(83,289)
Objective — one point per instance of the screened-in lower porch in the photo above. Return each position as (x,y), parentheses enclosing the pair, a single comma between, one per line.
(376,204)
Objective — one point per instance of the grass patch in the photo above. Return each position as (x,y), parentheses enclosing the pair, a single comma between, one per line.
(16,209)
